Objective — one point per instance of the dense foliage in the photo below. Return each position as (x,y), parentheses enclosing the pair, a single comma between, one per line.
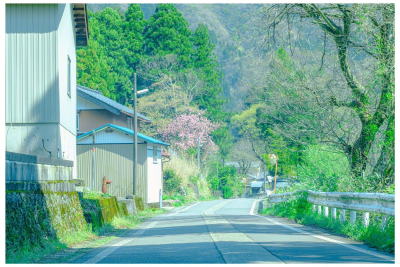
(313,84)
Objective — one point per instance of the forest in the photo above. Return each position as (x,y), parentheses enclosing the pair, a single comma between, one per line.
(311,83)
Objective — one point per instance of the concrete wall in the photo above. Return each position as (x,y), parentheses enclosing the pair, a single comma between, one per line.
(28,168)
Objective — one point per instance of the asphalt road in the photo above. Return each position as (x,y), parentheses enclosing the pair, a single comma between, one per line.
(228,231)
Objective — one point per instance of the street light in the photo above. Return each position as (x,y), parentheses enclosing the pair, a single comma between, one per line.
(135,92)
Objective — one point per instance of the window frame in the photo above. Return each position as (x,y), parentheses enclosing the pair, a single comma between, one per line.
(69,77)
(155,154)
(127,122)
(77,121)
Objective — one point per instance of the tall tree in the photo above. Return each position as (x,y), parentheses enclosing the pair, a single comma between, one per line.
(92,68)
(167,33)
(111,37)
(134,28)
(206,63)
(361,37)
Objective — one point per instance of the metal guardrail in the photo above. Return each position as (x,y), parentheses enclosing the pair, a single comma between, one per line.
(365,202)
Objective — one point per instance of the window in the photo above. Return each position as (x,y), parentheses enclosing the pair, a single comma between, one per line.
(154,154)
(129,123)
(69,77)
(77,122)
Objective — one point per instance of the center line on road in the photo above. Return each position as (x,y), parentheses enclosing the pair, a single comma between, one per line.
(113,247)
(329,239)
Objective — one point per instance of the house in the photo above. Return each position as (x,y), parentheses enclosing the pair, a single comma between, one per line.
(41,42)
(110,148)
(95,110)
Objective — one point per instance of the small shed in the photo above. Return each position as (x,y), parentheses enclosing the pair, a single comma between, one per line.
(112,153)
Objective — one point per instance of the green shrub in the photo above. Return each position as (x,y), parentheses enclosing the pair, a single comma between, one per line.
(300,211)
(226,192)
(324,168)
(171,181)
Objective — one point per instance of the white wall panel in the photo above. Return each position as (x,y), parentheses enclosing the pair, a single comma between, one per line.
(67,145)
(109,136)
(66,48)
(154,174)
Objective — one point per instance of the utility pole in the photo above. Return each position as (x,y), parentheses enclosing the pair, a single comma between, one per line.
(134,137)
(198,152)
(217,166)
(135,169)
(94,142)
(265,178)
(236,186)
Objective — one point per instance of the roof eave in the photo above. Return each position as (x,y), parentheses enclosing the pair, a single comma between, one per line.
(140,117)
(81,24)
(98,102)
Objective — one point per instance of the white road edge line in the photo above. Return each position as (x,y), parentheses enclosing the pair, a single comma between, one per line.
(322,237)
(252,207)
(114,247)
(183,209)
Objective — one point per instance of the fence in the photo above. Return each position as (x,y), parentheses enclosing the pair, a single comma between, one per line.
(364,202)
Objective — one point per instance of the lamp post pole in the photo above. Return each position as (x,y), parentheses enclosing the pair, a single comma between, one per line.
(135,168)
(198,152)
(134,138)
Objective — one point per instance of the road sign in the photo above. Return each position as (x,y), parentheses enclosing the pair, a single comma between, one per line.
(272,158)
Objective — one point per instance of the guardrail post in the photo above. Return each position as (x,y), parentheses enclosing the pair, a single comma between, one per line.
(314,208)
(326,212)
(353,216)
(365,219)
(342,215)
(385,219)
(319,209)
(333,213)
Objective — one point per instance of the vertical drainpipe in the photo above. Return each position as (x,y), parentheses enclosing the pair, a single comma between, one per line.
(94,142)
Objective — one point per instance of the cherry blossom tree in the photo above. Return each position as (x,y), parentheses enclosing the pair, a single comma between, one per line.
(184,131)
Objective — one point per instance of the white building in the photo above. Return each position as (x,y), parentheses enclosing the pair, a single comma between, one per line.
(41,42)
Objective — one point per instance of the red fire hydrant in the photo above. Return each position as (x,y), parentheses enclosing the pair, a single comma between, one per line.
(105,183)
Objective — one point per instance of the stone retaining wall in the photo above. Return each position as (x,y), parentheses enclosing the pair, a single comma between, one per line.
(40,211)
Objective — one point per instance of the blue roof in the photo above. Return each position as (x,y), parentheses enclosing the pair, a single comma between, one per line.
(105,102)
(125,130)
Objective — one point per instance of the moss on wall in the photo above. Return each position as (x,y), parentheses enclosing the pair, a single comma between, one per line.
(35,215)
(37,212)
(102,209)
(139,203)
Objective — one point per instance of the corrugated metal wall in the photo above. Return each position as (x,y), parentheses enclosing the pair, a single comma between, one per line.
(115,162)
(67,49)
(32,63)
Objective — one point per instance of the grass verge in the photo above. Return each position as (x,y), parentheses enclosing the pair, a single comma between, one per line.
(300,211)
(109,230)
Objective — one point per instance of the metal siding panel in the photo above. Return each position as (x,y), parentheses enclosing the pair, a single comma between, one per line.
(115,162)
(30,63)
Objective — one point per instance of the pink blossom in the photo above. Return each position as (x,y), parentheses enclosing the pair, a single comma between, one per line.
(184,131)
